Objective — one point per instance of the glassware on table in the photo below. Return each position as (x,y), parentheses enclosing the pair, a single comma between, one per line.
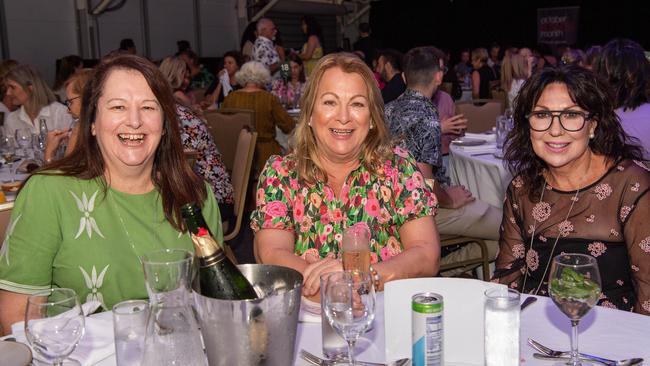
(356,248)
(574,286)
(54,323)
(8,150)
(172,335)
(334,345)
(24,139)
(129,325)
(501,327)
(349,305)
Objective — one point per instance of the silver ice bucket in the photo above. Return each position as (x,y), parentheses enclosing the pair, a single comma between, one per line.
(253,332)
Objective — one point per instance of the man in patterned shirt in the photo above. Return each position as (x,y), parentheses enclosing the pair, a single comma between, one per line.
(263,49)
(414,119)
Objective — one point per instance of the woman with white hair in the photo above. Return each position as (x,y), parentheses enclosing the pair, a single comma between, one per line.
(27,89)
(253,77)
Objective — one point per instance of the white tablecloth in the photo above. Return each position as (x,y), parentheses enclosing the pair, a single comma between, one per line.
(477,169)
(604,332)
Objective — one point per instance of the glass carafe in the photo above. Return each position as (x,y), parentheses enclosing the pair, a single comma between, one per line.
(172,336)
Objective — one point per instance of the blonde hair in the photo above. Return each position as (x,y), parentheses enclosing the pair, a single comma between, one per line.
(480,54)
(375,149)
(79,81)
(173,68)
(253,72)
(40,95)
(514,67)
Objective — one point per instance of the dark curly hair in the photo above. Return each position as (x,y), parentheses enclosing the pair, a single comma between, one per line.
(622,62)
(591,93)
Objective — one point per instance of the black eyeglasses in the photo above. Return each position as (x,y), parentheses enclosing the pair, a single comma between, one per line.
(68,102)
(569,120)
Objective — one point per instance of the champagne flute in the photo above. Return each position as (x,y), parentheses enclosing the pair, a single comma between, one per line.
(349,305)
(54,323)
(8,150)
(356,248)
(574,286)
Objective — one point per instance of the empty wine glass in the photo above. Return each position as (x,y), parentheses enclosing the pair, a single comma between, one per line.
(24,139)
(349,305)
(8,150)
(54,323)
(574,286)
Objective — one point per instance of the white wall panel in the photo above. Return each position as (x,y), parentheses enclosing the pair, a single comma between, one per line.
(219,27)
(170,21)
(113,26)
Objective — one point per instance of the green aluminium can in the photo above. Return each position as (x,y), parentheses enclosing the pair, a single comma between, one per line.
(427,329)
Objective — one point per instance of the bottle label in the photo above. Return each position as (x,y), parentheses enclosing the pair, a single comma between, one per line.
(207,249)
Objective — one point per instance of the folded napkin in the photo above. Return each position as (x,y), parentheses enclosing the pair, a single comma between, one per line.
(489,137)
(309,311)
(479,148)
(224,78)
(96,344)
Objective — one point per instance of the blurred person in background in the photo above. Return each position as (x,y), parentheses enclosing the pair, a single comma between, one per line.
(389,67)
(226,82)
(247,41)
(6,104)
(68,66)
(514,72)
(312,49)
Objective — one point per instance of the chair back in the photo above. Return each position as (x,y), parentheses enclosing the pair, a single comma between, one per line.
(5,217)
(241,175)
(225,125)
(502,96)
(481,114)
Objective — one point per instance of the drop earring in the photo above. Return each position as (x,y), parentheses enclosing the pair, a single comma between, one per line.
(591,136)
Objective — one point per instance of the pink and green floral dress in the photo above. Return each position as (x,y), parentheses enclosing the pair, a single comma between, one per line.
(383,202)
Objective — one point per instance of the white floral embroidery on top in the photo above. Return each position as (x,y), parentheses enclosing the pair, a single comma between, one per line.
(597,248)
(4,251)
(86,206)
(620,168)
(646,305)
(541,211)
(635,268)
(532,260)
(607,304)
(635,187)
(645,244)
(518,182)
(518,250)
(565,228)
(625,210)
(94,283)
(603,191)
(613,232)
(591,218)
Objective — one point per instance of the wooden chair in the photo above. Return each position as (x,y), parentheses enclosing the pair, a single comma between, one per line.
(483,260)
(241,175)
(225,125)
(5,216)
(480,113)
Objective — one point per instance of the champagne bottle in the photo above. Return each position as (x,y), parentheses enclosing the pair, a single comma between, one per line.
(219,278)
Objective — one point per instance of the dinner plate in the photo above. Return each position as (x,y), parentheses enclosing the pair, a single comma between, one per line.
(15,354)
(468,141)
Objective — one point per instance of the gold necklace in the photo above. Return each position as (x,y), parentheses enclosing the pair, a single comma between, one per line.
(532,238)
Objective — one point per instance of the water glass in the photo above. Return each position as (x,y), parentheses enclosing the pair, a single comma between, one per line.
(129,326)
(24,139)
(502,131)
(350,305)
(501,327)
(334,346)
(54,323)
(356,248)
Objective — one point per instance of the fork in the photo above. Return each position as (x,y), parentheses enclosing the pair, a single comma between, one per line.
(553,353)
(315,360)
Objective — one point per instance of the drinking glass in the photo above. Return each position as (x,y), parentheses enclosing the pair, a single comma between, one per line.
(350,305)
(356,248)
(54,323)
(574,286)
(8,150)
(501,327)
(129,325)
(24,139)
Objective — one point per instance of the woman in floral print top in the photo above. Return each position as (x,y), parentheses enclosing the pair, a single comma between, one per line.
(344,172)
(578,189)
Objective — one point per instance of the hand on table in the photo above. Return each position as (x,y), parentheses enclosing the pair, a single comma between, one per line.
(460,196)
(455,124)
(311,275)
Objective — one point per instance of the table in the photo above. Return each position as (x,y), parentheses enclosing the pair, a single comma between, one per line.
(480,171)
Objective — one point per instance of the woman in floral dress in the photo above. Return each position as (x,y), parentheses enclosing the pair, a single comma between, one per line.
(344,171)
(579,187)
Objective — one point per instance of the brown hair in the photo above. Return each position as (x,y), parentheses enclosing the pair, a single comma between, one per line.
(79,81)
(376,148)
(171,175)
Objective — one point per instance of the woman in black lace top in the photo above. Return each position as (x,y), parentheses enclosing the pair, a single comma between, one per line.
(580,187)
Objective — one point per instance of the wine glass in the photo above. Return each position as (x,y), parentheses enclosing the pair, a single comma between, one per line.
(54,323)
(574,286)
(8,150)
(349,305)
(24,139)
(355,247)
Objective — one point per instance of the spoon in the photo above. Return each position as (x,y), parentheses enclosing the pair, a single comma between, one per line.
(627,362)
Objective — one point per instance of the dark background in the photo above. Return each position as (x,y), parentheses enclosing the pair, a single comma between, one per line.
(457,24)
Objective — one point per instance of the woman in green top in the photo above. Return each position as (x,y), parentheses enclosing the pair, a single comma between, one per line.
(85,221)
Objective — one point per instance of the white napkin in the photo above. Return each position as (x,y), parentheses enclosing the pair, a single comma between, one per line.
(489,137)
(480,148)
(96,344)
(225,83)
(309,311)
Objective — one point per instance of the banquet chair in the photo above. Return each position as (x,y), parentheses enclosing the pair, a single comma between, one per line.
(241,176)
(5,216)
(481,113)
(225,125)
(468,264)
(500,95)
